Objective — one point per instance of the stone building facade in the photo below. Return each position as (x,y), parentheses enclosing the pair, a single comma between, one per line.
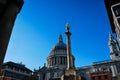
(100,76)
(15,71)
(112,65)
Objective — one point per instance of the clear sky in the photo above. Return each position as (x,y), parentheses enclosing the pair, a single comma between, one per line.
(40,22)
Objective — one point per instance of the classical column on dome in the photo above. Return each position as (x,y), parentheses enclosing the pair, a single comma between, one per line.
(50,62)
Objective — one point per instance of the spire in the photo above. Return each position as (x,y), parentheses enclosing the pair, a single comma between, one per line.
(60,38)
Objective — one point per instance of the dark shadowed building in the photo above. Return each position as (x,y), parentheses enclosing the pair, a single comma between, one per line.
(8,13)
(15,71)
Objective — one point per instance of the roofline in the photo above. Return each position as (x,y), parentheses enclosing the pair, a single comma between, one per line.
(8,63)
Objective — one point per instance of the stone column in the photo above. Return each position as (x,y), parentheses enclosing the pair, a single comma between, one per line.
(38,77)
(8,12)
(50,62)
(69,52)
(114,71)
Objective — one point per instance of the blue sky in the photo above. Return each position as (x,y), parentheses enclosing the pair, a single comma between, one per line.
(40,22)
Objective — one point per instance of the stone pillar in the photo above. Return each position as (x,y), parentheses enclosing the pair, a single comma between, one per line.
(8,12)
(50,62)
(39,77)
(114,71)
(70,72)
(69,52)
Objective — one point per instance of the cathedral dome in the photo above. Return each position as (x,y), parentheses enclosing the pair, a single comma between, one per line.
(60,45)
(58,55)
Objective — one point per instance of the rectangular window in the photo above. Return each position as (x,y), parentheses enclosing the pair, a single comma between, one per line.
(10,67)
(118,19)
(16,69)
(116,10)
